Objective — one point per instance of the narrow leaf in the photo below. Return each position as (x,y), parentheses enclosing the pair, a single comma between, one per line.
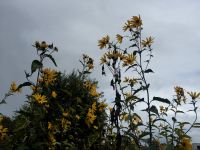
(24,84)
(154,109)
(164,100)
(148,71)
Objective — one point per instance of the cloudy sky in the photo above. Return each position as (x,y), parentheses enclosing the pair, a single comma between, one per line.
(75,26)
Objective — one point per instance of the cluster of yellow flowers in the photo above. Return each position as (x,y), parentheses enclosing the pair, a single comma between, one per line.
(43,45)
(91,115)
(134,22)
(3,131)
(128,59)
(48,76)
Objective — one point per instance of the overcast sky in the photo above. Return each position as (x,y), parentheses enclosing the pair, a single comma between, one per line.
(75,26)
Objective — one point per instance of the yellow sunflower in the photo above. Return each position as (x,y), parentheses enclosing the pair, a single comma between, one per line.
(13,88)
(129,60)
(41,99)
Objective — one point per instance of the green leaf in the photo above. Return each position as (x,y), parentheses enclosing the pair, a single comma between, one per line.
(174,119)
(24,84)
(160,119)
(36,64)
(164,100)
(50,57)
(178,111)
(154,109)
(148,71)
(195,126)
(86,72)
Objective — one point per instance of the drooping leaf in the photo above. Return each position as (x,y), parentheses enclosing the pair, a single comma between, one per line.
(160,119)
(24,84)
(196,126)
(50,57)
(154,109)
(148,71)
(164,100)
(178,111)
(36,64)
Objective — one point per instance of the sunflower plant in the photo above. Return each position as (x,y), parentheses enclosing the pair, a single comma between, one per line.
(128,60)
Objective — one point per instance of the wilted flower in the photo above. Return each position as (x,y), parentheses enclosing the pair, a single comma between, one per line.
(194,95)
(103,60)
(119,38)
(136,21)
(148,42)
(136,120)
(103,42)
(162,109)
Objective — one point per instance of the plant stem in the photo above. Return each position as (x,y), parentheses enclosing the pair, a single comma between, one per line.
(147,90)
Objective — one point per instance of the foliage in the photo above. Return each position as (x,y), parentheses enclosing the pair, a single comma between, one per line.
(67,111)
(57,114)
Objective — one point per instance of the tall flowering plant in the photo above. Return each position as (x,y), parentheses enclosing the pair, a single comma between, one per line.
(127,59)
